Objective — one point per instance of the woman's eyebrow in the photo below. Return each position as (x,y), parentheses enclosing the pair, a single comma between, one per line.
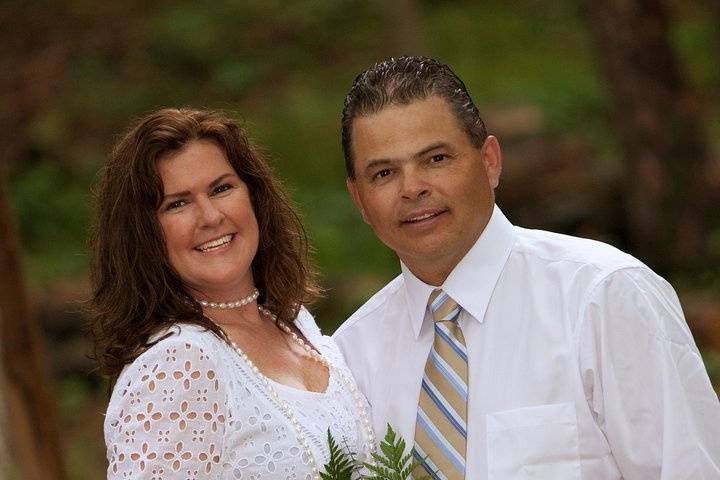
(187,192)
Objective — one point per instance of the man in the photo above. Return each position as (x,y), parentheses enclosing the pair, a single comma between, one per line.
(501,352)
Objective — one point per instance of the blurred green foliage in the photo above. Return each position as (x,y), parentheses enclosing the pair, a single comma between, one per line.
(53,210)
(282,69)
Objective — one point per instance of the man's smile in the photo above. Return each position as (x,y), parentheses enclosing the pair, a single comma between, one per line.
(422,216)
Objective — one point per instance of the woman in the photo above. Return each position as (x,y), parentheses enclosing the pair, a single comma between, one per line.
(199,274)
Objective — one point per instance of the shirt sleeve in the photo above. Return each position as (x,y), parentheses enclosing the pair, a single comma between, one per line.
(645,381)
(167,415)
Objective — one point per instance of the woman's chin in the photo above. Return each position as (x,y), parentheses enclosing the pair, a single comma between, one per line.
(230,285)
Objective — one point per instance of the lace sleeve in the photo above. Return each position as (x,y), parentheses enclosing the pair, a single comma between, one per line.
(167,415)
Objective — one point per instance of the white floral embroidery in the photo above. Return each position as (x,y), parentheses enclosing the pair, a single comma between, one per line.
(190,408)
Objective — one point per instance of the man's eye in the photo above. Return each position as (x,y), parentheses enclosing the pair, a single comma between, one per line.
(438,158)
(382,174)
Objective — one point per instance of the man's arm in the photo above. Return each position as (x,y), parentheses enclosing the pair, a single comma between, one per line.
(645,380)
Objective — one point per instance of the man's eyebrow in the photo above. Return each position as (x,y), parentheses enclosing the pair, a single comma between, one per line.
(373,164)
(379,162)
(212,184)
(430,148)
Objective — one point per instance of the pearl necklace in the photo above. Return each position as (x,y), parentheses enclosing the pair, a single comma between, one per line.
(234,304)
(287,410)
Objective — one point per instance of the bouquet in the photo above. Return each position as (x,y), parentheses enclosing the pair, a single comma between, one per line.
(391,463)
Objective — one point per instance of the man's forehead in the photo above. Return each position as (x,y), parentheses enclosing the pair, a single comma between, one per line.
(405,129)
(407,106)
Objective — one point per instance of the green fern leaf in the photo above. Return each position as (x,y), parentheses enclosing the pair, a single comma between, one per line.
(393,463)
(342,463)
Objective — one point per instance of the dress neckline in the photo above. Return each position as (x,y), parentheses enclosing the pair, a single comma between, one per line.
(289,388)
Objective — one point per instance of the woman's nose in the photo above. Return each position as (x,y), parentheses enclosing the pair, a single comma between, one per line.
(210,214)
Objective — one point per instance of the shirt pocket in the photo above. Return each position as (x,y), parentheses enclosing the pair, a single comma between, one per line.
(539,442)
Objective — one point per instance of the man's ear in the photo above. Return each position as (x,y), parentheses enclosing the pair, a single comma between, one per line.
(352,188)
(492,159)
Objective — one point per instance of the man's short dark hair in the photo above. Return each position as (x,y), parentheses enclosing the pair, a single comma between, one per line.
(401,81)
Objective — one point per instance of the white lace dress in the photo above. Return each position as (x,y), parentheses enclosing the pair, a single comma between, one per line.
(191,408)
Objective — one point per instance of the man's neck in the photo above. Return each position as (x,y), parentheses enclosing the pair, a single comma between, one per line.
(431,273)
(434,271)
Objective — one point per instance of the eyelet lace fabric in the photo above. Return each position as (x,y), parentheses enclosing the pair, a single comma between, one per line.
(190,408)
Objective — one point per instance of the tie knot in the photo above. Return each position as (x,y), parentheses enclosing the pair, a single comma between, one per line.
(442,307)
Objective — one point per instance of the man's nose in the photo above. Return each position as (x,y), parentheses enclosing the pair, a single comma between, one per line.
(414,185)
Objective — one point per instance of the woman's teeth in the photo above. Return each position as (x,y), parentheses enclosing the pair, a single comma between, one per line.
(214,244)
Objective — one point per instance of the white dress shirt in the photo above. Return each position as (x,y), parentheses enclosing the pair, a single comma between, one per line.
(581,365)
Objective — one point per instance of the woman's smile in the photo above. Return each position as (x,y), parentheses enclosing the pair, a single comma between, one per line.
(216,244)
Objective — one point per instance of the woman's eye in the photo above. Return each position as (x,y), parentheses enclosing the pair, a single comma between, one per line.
(221,188)
(175,204)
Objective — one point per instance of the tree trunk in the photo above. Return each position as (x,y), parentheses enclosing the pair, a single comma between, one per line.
(32,66)
(4,454)
(32,428)
(667,196)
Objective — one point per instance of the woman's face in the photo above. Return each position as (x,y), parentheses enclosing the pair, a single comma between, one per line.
(208,222)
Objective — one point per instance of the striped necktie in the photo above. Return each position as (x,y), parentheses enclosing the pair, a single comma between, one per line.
(440,433)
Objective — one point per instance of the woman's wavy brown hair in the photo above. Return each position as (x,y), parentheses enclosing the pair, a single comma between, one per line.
(136,292)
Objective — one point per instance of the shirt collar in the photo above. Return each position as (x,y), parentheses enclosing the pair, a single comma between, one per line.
(473,279)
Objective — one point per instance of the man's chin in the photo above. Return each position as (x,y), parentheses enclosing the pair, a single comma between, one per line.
(429,254)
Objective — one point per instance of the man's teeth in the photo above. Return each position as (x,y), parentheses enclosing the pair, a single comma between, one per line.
(422,217)
(213,244)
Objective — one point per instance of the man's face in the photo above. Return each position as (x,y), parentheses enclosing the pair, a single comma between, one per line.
(422,185)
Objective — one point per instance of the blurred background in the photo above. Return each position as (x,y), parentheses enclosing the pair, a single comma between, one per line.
(608,113)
